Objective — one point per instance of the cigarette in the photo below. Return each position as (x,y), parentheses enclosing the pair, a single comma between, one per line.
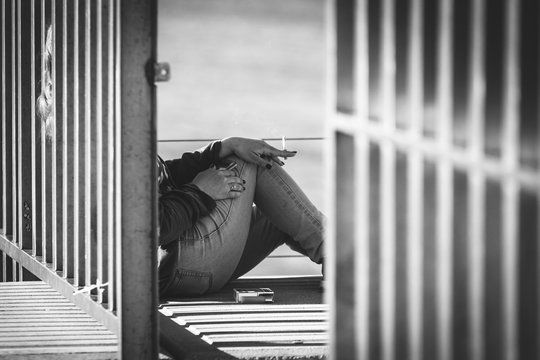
(283,142)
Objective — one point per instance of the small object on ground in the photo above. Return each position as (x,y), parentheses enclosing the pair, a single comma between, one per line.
(253,295)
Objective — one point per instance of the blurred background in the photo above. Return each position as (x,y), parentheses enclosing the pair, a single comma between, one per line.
(250,68)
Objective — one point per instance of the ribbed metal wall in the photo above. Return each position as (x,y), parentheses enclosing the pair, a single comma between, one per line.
(435,181)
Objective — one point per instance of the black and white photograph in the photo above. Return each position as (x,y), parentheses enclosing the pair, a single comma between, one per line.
(270,179)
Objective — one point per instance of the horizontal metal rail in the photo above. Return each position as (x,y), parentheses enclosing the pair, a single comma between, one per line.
(265,139)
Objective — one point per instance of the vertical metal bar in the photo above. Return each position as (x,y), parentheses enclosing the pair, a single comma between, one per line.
(87,149)
(110,157)
(76,121)
(19,120)
(65,212)
(99,146)
(14,171)
(19,133)
(117,157)
(4,135)
(415,251)
(388,249)
(362,228)
(476,200)
(43,148)
(33,123)
(444,183)
(53,143)
(330,177)
(415,182)
(139,188)
(510,141)
(387,199)
(4,267)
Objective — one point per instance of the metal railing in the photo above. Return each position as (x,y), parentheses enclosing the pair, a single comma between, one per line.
(77,126)
(433,131)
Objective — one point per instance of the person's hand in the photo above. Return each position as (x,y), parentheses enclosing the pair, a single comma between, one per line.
(219,183)
(254,151)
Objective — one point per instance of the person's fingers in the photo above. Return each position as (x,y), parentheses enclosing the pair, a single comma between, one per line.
(235,180)
(227,173)
(272,151)
(277,161)
(237,187)
(234,194)
(259,160)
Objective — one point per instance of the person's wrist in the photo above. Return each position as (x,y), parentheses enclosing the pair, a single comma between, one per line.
(227,147)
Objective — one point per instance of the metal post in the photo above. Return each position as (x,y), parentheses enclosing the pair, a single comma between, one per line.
(138,309)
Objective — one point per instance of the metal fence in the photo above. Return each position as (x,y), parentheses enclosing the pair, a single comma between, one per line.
(435,179)
(78,138)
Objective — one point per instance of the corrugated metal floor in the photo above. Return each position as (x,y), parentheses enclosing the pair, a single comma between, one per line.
(294,326)
(36,322)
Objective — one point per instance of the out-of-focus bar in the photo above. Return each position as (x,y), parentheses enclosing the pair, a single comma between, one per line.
(415,178)
(388,68)
(388,250)
(476,200)
(415,251)
(110,155)
(76,155)
(99,147)
(362,247)
(65,212)
(388,177)
(510,142)
(362,174)
(361,65)
(43,148)
(87,148)
(444,232)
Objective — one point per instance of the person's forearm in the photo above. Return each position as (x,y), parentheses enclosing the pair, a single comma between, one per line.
(227,147)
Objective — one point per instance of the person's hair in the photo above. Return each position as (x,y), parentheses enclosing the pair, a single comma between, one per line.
(45,100)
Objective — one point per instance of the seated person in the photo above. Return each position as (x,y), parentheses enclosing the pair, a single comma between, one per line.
(224,209)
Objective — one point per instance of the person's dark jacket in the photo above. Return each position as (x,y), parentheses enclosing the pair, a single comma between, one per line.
(181,203)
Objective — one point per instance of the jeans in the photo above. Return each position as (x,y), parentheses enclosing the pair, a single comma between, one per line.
(241,232)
